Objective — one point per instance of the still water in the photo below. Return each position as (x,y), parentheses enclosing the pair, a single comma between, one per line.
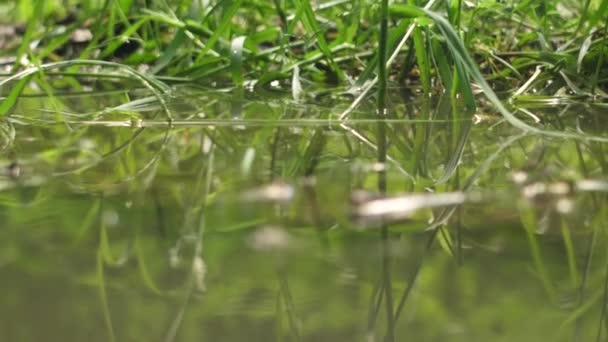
(260,219)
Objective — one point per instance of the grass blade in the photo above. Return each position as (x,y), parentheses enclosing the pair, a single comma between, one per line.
(309,20)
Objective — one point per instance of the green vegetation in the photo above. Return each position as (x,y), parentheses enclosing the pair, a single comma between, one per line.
(299,170)
(530,51)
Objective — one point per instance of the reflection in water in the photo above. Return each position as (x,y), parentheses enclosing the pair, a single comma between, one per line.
(371,230)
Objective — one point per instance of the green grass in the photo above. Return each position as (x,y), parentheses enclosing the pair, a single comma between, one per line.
(217,97)
(194,43)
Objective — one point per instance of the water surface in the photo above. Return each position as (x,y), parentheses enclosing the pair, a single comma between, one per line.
(261,219)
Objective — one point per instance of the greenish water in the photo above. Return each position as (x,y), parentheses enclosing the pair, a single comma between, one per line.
(260,219)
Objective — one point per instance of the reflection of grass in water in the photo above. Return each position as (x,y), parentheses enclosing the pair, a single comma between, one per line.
(103,294)
(428,44)
(319,154)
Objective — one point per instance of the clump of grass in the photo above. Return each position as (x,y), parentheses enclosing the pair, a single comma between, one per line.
(254,43)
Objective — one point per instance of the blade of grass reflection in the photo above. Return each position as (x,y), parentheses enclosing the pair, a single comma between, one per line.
(273,152)
(89,220)
(446,213)
(311,156)
(176,323)
(194,280)
(457,153)
(529,222)
(102,258)
(141,263)
(375,303)
(103,296)
(388,285)
(580,311)
(289,304)
(458,223)
(109,154)
(150,164)
(590,245)
(160,214)
(591,250)
(604,304)
(366,141)
(443,218)
(414,275)
(445,241)
(570,253)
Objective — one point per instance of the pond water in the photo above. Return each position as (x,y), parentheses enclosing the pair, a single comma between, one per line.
(256,218)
